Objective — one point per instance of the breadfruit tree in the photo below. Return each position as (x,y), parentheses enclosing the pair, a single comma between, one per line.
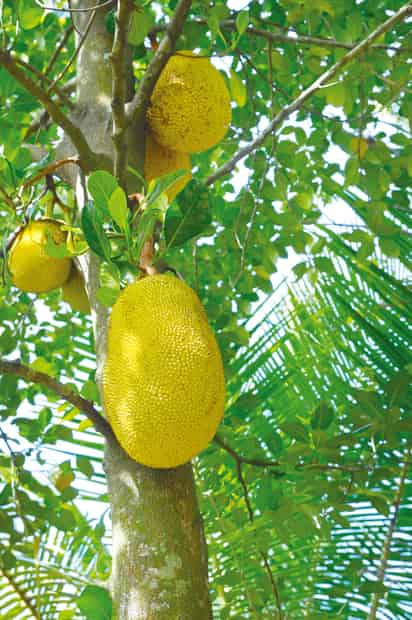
(228,181)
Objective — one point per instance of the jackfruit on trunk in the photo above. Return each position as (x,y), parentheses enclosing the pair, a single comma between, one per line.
(190,104)
(163,381)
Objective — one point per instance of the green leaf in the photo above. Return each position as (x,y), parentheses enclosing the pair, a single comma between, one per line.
(89,389)
(147,224)
(322,417)
(109,289)
(296,430)
(336,94)
(141,23)
(398,387)
(238,89)
(118,208)
(84,465)
(190,216)
(159,186)
(242,21)
(372,587)
(101,185)
(30,17)
(95,603)
(390,248)
(94,232)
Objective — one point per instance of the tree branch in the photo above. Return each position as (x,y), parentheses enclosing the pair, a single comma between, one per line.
(58,50)
(49,169)
(119,72)
(89,159)
(28,374)
(136,112)
(7,199)
(75,53)
(241,459)
(389,534)
(277,37)
(267,464)
(251,516)
(352,54)
(45,78)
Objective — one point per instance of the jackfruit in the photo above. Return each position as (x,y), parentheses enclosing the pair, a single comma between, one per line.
(160,161)
(32,269)
(163,382)
(190,104)
(74,291)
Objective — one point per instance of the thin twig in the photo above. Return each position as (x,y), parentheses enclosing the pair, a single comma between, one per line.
(22,594)
(70,10)
(359,49)
(44,118)
(274,584)
(277,37)
(386,549)
(7,198)
(86,406)
(75,53)
(256,462)
(266,564)
(138,106)
(89,159)
(45,78)
(266,463)
(50,168)
(119,73)
(58,49)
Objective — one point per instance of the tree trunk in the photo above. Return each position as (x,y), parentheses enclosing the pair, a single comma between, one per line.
(159,553)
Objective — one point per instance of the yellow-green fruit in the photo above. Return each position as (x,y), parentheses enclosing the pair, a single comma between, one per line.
(163,382)
(74,291)
(32,269)
(160,161)
(190,105)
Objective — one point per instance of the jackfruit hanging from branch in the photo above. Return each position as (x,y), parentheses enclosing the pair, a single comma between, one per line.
(163,382)
(190,104)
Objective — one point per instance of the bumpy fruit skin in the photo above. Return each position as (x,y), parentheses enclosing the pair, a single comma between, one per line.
(160,161)
(74,291)
(190,105)
(32,269)
(163,382)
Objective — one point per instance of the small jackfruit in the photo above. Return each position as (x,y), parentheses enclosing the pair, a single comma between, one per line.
(74,291)
(160,161)
(163,381)
(190,104)
(31,268)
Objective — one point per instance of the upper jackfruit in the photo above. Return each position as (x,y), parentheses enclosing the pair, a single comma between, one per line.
(163,382)
(190,104)
(32,269)
(74,291)
(160,161)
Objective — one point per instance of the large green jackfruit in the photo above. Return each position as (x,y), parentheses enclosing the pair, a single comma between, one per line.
(32,269)
(190,104)
(163,382)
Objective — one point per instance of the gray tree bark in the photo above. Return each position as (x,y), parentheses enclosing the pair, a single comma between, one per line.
(159,552)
